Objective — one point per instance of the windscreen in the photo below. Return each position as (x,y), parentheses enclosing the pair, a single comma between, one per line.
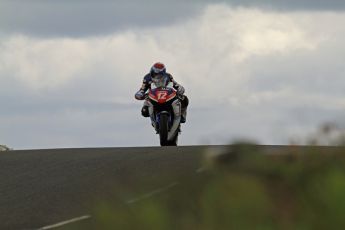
(160,81)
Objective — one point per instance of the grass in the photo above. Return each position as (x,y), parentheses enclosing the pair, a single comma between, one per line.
(243,188)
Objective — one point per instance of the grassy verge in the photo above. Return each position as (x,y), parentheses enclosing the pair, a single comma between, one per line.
(244,189)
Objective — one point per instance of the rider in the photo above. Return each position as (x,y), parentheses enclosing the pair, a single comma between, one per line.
(159,70)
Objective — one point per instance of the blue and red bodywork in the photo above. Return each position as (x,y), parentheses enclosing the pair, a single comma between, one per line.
(162,98)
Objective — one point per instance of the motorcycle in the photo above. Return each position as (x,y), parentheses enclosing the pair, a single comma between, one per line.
(165,110)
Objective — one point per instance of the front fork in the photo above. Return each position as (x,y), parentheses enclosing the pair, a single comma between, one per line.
(176,105)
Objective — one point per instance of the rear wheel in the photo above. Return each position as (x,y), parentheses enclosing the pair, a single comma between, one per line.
(163,129)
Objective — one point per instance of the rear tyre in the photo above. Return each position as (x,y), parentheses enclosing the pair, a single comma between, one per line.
(163,129)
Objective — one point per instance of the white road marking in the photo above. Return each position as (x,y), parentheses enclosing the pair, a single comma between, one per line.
(142,197)
(152,193)
(65,222)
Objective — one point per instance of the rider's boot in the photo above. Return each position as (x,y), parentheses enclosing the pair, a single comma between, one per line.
(145,111)
(184,102)
(183,115)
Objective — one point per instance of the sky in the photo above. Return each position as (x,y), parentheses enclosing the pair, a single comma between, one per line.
(270,72)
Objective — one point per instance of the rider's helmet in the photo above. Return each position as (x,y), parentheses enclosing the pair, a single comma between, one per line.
(158,69)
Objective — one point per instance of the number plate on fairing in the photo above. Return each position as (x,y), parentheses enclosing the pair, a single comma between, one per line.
(162,95)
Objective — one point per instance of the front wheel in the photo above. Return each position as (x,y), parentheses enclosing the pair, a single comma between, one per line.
(163,129)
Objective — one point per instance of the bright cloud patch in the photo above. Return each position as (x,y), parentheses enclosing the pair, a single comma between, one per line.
(220,38)
(232,61)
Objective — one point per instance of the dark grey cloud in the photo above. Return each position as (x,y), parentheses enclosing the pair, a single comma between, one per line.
(88,18)
(291,4)
(78,18)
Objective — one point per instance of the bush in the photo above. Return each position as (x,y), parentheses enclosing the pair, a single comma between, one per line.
(245,189)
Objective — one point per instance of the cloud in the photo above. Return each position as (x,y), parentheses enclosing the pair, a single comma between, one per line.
(211,48)
(291,5)
(248,72)
(50,18)
(89,18)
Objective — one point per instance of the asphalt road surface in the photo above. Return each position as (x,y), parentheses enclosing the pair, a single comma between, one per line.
(40,188)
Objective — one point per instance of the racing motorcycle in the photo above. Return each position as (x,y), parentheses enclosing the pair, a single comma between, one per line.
(165,110)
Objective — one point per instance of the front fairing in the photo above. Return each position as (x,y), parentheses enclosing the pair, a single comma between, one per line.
(162,94)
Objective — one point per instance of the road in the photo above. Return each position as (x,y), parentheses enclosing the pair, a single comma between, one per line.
(42,187)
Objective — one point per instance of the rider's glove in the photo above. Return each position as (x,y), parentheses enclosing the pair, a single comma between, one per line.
(180,90)
(140,95)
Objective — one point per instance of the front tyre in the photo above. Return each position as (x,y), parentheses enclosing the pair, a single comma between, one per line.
(163,129)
